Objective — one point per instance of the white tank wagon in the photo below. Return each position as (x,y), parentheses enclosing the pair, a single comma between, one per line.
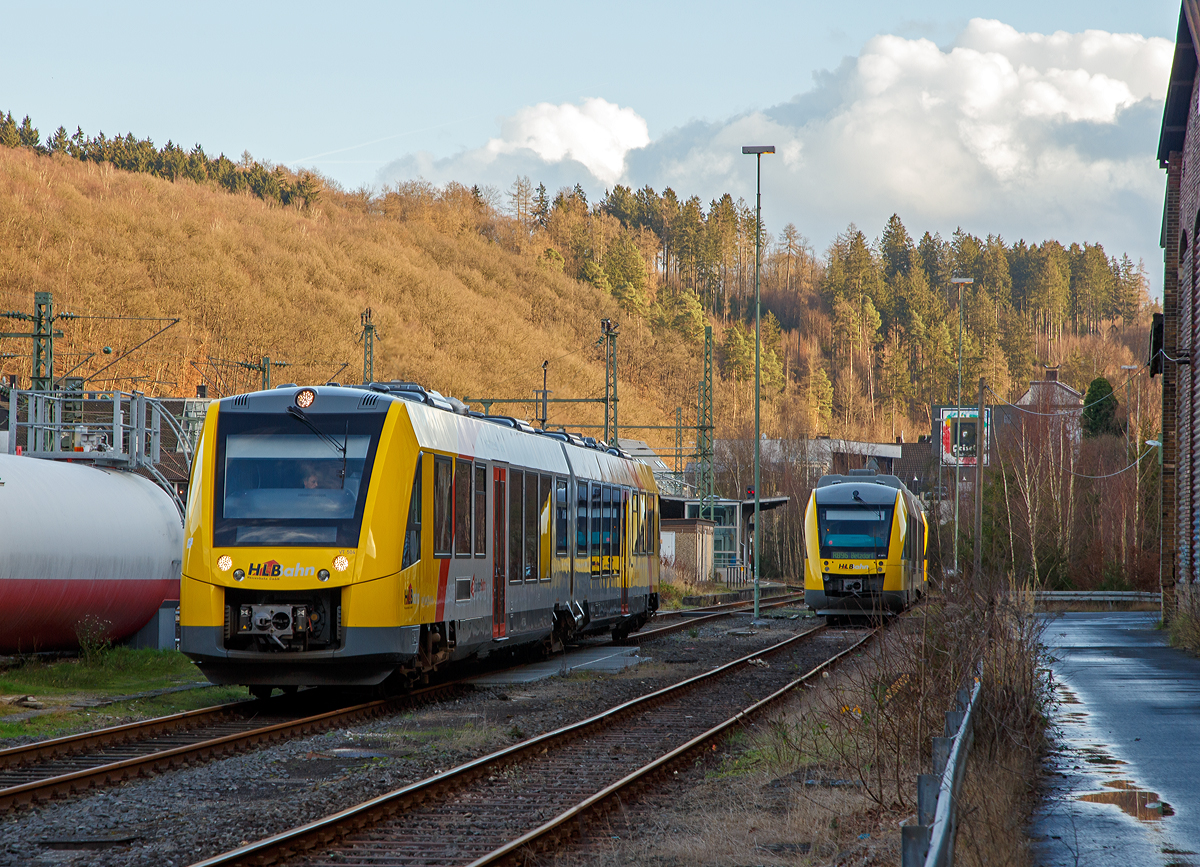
(77,542)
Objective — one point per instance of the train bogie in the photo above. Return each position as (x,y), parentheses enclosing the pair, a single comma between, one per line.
(344,536)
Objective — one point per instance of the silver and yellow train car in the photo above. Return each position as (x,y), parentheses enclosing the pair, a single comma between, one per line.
(347,535)
(865,538)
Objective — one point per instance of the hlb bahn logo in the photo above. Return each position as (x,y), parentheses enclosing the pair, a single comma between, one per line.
(273,569)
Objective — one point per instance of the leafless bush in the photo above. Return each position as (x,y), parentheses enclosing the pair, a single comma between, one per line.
(95,639)
(875,718)
(1184,627)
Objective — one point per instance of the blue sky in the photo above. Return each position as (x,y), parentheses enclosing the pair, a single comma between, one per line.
(924,108)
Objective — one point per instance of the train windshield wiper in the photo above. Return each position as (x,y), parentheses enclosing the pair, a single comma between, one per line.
(300,416)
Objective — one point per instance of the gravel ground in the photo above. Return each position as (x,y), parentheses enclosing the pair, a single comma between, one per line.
(184,816)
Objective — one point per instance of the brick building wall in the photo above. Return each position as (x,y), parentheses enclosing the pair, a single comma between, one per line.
(1179,154)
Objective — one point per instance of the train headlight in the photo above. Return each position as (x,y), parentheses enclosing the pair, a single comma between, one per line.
(225,563)
(340,563)
(238,574)
(880,565)
(323,575)
(305,398)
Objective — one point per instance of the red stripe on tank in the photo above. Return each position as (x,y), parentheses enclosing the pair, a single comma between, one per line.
(43,614)
(443,575)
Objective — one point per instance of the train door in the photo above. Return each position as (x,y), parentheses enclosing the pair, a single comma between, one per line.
(499,538)
(623,557)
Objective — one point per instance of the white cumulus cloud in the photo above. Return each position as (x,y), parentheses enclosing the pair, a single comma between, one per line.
(1027,134)
(596,134)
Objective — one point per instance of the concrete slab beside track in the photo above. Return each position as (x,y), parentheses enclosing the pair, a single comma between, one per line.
(1123,783)
(605,658)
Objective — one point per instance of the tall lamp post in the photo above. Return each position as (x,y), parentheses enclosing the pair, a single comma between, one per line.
(958,415)
(758,151)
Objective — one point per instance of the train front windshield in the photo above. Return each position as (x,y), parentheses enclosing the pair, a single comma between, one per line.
(854,532)
(282,484)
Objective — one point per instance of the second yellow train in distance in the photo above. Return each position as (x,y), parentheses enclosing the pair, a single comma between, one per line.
(865,538)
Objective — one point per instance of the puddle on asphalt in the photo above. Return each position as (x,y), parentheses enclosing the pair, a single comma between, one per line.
(1139,803)
(1066,696)
(1095,755)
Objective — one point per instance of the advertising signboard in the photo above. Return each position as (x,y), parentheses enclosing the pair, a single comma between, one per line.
(960,439)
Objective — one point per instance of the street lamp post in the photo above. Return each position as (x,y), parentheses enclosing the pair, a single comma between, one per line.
(958,415)
(758,151)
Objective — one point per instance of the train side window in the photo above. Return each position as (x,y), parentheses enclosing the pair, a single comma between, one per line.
(622,506)
(412,533)
(532,537)
(561,525)
(634,541)
(606,530)
(652,526)
(516,525)
(443,505)
(641,523)
(597,531)
(545,526)
(462,508)
(480,510)
(581,519)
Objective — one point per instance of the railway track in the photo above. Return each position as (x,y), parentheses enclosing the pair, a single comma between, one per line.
(63,766)
(741,605)
(76,763)
(688,622)
(523,799)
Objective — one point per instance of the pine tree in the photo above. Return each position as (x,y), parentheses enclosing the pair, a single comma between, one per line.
(1100,409)
(9,137)
(820,397)
(541,206)
(59,143)
(29,136)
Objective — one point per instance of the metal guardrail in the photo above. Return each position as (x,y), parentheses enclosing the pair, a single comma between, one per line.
(931,841)
(1096,596)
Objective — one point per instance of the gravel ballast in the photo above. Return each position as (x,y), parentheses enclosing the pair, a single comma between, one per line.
(183,816)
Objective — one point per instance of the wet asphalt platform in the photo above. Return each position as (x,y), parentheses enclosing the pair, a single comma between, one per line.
(1123,780)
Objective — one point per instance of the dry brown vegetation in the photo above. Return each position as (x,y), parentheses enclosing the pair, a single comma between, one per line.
(454,309)
(831,777)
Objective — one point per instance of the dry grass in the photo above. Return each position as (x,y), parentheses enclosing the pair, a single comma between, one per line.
(1183,629)
(831,776)
(454,309)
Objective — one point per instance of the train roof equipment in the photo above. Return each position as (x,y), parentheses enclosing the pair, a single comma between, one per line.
(279,398)
(868,487)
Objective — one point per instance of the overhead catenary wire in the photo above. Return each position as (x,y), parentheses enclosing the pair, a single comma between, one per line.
(1136,461)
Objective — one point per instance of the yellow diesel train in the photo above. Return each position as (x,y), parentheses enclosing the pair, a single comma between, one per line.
(866,540)
(344,536)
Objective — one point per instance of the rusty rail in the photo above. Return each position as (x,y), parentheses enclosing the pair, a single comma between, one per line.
(300,842)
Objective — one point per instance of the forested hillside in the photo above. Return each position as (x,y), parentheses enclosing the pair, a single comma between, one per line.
(473,288)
